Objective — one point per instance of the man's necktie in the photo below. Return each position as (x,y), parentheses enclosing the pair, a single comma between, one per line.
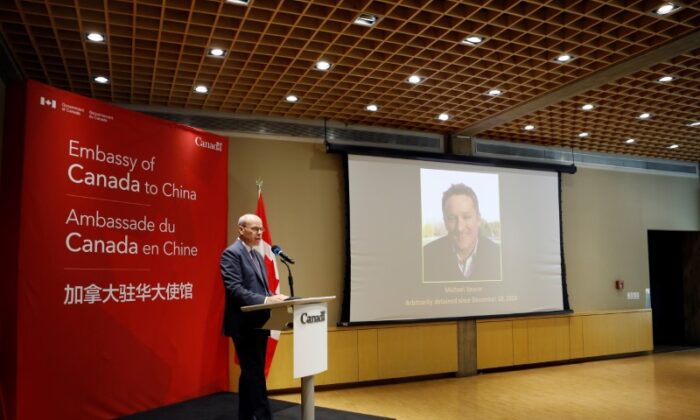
(259,268)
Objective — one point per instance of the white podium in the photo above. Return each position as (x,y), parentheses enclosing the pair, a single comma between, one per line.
(309,319)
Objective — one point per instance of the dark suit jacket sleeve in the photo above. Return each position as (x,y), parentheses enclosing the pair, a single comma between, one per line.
(233,270)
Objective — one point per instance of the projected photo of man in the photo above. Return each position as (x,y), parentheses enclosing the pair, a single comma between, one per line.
(464,253)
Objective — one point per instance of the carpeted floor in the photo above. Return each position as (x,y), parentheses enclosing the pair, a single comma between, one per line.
(224,405)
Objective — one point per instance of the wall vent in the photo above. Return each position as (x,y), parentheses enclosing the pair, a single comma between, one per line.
(505,150)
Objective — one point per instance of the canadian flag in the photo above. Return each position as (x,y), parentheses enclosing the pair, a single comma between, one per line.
(265,248)
(48,102)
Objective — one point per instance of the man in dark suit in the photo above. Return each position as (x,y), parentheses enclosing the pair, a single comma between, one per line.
(464,253)
(245,282)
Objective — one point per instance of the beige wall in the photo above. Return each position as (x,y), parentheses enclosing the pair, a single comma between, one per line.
(606,218)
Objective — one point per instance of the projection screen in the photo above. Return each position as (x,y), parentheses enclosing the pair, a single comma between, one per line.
(437,240)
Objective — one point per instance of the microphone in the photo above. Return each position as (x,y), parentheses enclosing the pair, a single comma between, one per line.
(278,251)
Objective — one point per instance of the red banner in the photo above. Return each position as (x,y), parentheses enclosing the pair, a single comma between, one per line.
(123,219)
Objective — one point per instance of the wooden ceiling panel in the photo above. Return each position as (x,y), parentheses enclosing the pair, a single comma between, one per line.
(156,52)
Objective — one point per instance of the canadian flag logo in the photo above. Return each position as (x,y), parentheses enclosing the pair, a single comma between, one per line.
(48,102)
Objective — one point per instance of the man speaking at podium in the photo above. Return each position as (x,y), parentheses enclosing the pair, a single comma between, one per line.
(245,281)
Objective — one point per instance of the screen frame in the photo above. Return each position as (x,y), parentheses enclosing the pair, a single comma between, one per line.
(346,150)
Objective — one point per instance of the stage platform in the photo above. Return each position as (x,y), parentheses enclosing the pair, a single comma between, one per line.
(224,406)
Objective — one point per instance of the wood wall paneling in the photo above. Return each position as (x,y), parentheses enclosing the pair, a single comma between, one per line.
(548,339)
(576,337)
(521,349)
(616,333)
(343,361)
(494,344)
(368,354)
(417,350)
(385,352)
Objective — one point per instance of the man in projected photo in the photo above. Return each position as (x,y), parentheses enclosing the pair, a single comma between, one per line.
(464,253)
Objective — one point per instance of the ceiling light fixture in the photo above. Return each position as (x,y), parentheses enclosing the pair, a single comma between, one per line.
(95,37)
(415,79)
(443,117)
(644,116)
(217,52)
(372,108)
(201,89)
(365,19)
(322,65)
(292,98)
(473,40)
(494,92)
(239,2)
(666,9)
(101,80)
(664,79)
(673,146)
(694,124)
(587,107)
(529,127)
(564,58)
(630,141)
(583,134)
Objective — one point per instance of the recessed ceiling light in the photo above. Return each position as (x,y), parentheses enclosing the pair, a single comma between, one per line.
(666,9)
(366,19)
(583,134)
(371,107)
(201,89)
(630,141)
(95,37)
(101,79)
(529,127)
(322,65)
(473,40)
(415,79)
(673,146)
(291,98)
(443,117)
(217,52)
(664,79)
(564,58)
(644,116)
(494,92)
(694,124)
(239,2)
(587,107)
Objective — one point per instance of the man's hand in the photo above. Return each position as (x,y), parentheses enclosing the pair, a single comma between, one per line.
(275,298)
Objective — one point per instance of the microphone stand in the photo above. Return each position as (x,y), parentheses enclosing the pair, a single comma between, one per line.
(290,279)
